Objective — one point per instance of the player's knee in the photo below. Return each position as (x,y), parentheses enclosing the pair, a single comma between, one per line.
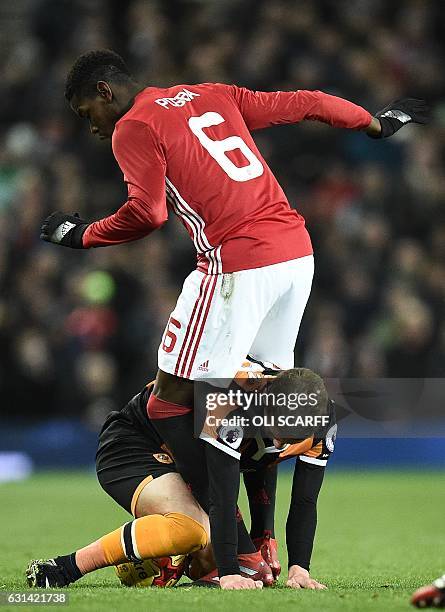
(187,534)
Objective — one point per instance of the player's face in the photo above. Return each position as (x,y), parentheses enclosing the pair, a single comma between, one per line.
(100,113)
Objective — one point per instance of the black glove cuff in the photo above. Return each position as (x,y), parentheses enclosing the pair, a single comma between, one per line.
(75,236)
(389,126)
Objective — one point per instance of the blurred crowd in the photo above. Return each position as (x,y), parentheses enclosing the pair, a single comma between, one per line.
(79,330)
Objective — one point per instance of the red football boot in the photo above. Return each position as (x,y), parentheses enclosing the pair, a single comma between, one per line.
(252,565)
(268,547)
(210,580)
(430,596)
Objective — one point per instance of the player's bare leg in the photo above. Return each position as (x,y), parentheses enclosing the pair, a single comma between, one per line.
(168,522)
(169,493)
(157,498)
(163,496)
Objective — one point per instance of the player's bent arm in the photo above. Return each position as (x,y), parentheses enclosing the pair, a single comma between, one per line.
(141,158)
(142,161)
(132,221)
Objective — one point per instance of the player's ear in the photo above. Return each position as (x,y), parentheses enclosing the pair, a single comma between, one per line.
(104,91)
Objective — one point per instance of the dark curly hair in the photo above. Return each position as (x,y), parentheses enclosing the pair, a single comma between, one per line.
(94,66)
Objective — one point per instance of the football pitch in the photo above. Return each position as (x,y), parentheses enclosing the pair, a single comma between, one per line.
(380,535)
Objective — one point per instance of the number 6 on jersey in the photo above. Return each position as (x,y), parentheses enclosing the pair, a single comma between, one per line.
(218,148)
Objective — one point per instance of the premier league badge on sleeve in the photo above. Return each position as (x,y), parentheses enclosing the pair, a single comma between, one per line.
(231,435)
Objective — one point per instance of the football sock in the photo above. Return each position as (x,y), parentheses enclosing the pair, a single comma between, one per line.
(261,489)
(245,544)
(146,537)
(70,568)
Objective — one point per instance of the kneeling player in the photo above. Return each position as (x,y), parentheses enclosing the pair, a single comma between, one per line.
(137,471)
(259,457)
(176,524)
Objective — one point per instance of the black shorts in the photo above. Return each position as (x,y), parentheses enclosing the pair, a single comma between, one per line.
(130,453)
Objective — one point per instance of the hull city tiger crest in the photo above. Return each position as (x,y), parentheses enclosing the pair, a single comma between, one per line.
(162,457)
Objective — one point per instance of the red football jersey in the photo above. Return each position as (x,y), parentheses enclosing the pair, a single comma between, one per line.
(190,146)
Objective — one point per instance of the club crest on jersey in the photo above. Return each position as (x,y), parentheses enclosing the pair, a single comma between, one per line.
(179,100)
(232,436)
(162,457)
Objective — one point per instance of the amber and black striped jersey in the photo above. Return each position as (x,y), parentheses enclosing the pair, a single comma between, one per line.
(256,455)
(251,447)
(258,451)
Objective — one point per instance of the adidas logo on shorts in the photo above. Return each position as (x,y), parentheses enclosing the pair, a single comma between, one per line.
(204,367)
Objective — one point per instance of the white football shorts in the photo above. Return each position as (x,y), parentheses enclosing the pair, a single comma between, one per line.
(220,318)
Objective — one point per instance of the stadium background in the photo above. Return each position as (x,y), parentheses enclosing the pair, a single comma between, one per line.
(79,331)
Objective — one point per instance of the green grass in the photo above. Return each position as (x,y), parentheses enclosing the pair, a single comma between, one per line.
(380,535)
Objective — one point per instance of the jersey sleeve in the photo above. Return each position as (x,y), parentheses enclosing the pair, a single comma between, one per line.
(301,522)
(261,109)
(224,480)
(141,159)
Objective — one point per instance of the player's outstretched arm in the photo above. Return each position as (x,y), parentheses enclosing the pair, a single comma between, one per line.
(141,159)
(262,109)
(301,524)
(224,477)
(142,162)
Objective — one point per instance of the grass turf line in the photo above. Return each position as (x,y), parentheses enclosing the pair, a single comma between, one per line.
(379,537)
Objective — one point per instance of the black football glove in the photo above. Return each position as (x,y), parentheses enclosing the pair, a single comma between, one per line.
(399,113)
(63,229)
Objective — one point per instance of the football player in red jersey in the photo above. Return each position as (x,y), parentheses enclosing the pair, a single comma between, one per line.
(189,148)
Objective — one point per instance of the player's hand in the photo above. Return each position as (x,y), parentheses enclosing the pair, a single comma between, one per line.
(63,229)
(235,582)
(299,578)
(400,113)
